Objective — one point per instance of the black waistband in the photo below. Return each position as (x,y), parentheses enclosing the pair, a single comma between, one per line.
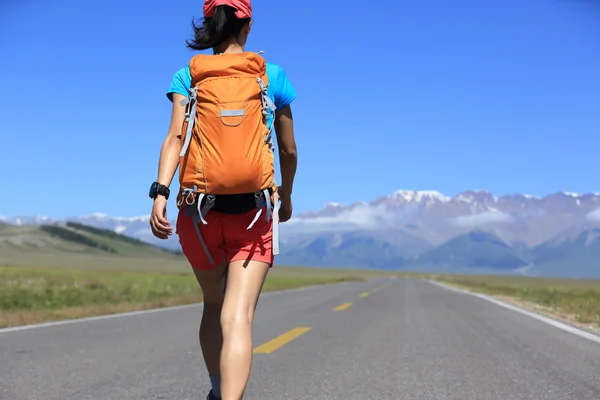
(234,203)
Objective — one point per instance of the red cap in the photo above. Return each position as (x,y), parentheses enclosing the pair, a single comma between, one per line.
(243,7)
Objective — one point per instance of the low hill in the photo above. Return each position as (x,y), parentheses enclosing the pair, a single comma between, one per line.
(476,249)
(575,256)
(75,238)
(362,249)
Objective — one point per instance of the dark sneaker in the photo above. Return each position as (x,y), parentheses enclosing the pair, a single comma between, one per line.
(211,396)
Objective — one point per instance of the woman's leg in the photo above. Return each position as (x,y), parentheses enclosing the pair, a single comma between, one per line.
(210,278)
(210,335)
(244,284)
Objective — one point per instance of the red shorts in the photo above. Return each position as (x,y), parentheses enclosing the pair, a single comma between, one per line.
(226,238)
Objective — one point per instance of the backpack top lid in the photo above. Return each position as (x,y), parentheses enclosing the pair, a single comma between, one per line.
(203,66)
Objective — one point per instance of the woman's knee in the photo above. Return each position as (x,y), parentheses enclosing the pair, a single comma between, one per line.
(244,284)
(213,297)
(212,307)
(237,317)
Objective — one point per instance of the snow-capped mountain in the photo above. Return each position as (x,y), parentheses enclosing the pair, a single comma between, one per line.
(407,224)
(436,218)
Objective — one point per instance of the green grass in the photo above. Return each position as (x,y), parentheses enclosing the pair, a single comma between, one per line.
(31,295)
(573,298)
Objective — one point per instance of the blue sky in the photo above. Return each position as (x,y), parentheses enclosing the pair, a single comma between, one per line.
(502,96)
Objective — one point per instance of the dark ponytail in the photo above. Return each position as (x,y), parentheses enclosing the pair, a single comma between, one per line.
(216,29)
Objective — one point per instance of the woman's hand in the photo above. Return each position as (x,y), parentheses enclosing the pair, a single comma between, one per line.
(161,227)
(285,207)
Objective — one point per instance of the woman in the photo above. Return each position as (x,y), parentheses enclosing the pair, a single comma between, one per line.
(218,244)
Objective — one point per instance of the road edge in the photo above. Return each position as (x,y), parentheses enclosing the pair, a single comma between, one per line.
(550,321)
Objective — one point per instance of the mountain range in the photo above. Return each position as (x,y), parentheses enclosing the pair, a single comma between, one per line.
(474,231)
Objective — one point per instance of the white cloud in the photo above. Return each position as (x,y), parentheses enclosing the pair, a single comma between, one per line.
(376,217)
(360,216)
(486,218)
(593,215)
(105,217)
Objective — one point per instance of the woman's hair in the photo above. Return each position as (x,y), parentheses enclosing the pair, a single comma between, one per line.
(216,29)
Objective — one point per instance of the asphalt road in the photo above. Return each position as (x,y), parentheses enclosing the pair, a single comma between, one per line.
(404,340)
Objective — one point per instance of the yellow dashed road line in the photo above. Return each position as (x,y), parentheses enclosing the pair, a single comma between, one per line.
(343,307)
(281,340)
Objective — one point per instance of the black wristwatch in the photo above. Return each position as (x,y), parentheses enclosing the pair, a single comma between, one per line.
(156,189)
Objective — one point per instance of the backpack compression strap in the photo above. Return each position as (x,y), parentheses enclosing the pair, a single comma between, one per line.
(190,118)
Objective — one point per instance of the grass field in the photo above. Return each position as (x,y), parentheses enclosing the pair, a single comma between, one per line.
(32,295)
(576,300)
(73,270)
(46,278)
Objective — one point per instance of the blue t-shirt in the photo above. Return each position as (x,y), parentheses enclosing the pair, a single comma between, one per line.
(280,89)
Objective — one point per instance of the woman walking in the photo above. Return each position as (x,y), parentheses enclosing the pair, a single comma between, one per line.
(225,106)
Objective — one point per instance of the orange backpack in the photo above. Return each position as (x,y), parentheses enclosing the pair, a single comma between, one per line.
(227,144)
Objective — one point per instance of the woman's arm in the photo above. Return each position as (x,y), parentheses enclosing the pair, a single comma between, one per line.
(167,165)
(169,153)
(288,159)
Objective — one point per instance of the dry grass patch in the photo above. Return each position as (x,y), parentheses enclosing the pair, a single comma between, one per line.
(32,295)
(576,300)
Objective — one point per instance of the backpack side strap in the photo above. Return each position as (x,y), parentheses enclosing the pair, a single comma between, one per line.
(275,240)
(190,118)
